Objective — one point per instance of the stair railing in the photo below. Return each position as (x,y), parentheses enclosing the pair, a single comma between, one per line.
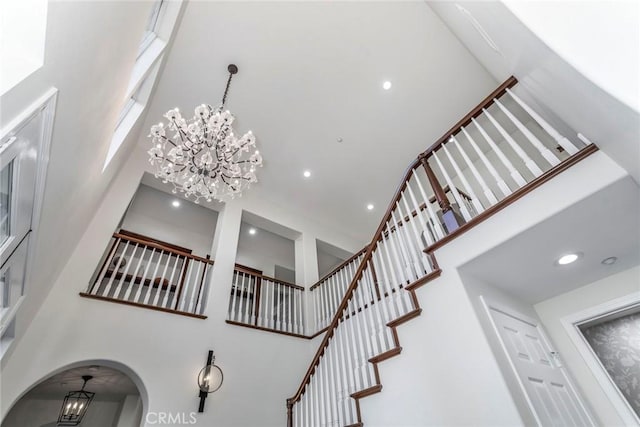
(495,154)
(327,293)
(265,302)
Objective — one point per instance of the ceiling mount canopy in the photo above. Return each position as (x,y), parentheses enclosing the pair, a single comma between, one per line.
(203,157)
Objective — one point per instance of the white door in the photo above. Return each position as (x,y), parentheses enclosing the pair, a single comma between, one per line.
(551,397)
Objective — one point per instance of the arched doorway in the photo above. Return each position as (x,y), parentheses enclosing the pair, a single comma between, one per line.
(117,400)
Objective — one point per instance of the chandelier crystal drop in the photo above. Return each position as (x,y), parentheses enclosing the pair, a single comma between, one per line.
(203,157)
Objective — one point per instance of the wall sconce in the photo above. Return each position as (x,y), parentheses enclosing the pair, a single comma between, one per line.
(209,379)
(75,405)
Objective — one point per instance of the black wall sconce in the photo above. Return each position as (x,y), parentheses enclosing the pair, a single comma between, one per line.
(209,379)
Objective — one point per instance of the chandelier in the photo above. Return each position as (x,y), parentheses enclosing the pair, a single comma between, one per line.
(202,157)
(75,405)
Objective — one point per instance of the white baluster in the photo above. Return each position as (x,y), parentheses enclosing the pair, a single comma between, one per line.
(127,294)
(143,279)
(114,272)
(234,295)
(195,287)
(107,262)
(402,239)
(161,282)
(467,187)
(560,139)
(391,311)
(422,217)
(185,286)
(152,281)
(499,181)
(517,177)
(544,151)
(530,164)
(485,189)
(454,190)
(170,285)
(123,277)
(435,221)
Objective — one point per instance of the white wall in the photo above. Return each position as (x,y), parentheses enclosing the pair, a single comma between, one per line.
(188,225)
(264,250)
(39,412)
(131,412)
(601,39)
(251,360)
(327,262)
(447,373)
(553,310)
(82,41)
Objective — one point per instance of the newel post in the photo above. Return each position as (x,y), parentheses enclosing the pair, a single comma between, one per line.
(450,218)
(289,413)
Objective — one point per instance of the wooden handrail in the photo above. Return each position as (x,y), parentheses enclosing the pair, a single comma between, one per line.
(161,247)
(501,90)
(252,272)
(378,234)
(339,267)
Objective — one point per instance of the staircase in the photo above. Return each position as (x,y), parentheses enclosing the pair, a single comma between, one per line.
(496,154)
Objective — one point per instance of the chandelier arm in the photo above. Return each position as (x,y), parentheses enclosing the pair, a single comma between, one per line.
(168,140)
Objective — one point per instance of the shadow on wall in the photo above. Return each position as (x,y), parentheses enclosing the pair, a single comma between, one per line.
(113,395)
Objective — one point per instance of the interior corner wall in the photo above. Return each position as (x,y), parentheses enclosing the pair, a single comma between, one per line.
(264,250)
(189,225)
(554,309)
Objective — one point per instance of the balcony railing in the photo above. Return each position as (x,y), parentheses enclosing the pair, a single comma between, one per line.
(142,272)
(266,303)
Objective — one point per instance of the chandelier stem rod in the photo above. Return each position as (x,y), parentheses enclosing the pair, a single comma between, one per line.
(226,91)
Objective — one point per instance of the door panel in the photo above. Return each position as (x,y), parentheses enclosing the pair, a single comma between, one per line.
(552,399)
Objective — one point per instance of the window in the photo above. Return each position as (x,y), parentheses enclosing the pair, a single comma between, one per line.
(158,30)
(5,199)
(150,32)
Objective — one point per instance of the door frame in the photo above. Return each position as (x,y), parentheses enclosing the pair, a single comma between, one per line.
(489,305)
(571,324)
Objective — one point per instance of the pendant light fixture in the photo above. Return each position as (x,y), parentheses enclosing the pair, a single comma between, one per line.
(75,405)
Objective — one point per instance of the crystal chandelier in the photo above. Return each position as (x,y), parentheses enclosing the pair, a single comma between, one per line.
(203,157)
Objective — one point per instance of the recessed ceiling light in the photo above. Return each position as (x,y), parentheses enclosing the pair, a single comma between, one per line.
(307,174)
(339,139)
(370,207)
(252,231)
(175,203)
(568,258)
(386,85)
(610,261)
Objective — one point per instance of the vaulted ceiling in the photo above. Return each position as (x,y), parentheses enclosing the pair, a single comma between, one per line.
(313,72)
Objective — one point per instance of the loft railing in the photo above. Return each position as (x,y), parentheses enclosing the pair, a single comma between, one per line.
(500,151)
(265,303)
(327,293)
(143,272)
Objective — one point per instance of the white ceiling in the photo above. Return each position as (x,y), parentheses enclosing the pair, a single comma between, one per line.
(605,224)
(106,383)
(311,72)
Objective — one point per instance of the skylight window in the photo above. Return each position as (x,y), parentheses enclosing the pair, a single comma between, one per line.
(160,24)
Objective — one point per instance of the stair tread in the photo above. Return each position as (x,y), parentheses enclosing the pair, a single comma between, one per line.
(367,391)
(386,355)
(405,318)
